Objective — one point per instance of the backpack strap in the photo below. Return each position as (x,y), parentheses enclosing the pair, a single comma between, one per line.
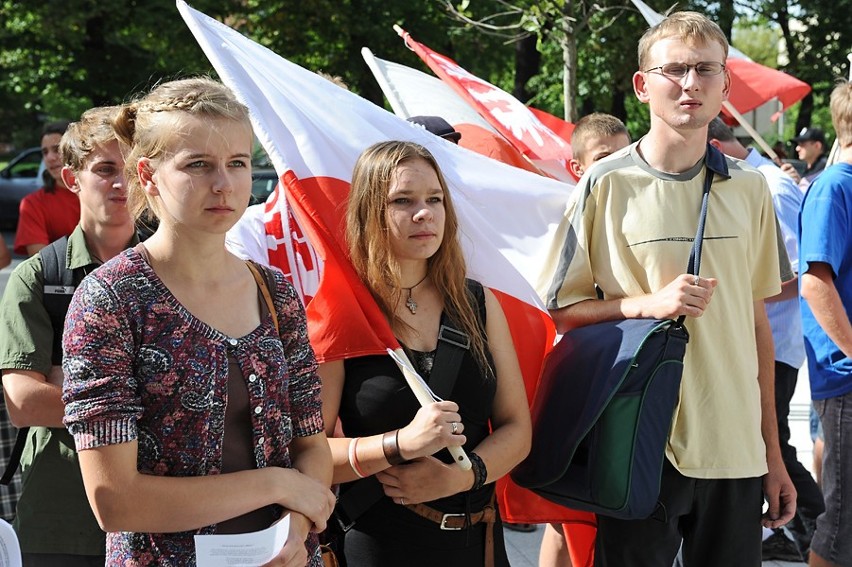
(265,282)
(57,292)
(58,289)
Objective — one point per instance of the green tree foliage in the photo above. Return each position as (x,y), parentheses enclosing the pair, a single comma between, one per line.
(59,58)
(758,39)
(328,35)
(817,36)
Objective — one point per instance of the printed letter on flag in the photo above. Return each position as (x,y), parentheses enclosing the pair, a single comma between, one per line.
(314,131)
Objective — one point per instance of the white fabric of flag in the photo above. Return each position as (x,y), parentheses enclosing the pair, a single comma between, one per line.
(315,129)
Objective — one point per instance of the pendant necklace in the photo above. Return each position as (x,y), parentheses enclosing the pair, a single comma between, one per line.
(410,303)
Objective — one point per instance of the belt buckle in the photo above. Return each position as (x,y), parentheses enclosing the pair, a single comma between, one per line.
(446,517)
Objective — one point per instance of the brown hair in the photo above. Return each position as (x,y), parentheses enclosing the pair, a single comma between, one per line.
(595,125)
(841,113)
(690,27)
(718,130)
(370,248)
(146,126)
(94,129)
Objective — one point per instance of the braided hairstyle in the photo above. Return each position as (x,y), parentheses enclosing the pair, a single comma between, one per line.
(146,127)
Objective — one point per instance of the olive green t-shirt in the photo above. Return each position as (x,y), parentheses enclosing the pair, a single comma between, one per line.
(53,513)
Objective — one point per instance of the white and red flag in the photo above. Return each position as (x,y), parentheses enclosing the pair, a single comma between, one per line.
(413,93)
(509,116)
(313,132)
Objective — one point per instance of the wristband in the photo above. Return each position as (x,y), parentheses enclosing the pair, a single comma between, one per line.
(390,447)
(353,457)
(480,473)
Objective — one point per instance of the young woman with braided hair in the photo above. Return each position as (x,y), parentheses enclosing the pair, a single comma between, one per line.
(422,509)
(192,413)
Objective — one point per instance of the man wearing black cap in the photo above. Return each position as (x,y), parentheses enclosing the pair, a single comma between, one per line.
(811,148)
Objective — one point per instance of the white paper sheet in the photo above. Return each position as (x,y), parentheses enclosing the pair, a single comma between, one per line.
(425,396)
(10,552)
(242,550)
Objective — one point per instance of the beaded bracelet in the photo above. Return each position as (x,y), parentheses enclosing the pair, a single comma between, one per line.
(353,457)
(480,473)
(390,447)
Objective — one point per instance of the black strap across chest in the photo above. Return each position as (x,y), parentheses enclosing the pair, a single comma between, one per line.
(453,344)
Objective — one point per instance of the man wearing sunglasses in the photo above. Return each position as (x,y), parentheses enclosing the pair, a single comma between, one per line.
(628,232)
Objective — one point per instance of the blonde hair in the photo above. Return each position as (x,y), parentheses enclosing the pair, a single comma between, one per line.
(841,113)
(370,248)
(94,129)
(690,27)
(146,126)
(595,125)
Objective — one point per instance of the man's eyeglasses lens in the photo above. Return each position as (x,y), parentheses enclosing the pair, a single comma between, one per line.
(679,70)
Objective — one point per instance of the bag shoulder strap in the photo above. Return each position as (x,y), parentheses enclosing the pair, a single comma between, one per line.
(265,282)
(59,286)
(694,265)
(453,344)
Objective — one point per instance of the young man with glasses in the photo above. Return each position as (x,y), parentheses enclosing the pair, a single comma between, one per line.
(628,233)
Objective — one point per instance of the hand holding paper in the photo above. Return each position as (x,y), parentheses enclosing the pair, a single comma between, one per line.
(254,548)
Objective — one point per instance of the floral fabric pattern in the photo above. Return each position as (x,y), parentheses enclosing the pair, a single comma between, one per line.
(139,366)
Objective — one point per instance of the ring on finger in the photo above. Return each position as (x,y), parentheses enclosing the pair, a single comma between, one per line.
(402,501)
(455,425)
(696,281)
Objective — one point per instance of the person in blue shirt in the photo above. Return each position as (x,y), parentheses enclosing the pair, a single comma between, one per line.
(825,263)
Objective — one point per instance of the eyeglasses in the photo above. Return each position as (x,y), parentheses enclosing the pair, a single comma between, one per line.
(680,70)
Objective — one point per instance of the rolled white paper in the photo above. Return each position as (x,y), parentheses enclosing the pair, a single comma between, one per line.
(425,397)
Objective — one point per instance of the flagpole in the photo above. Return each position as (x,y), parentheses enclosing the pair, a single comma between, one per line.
(390,93)
(425,398)
(751,131)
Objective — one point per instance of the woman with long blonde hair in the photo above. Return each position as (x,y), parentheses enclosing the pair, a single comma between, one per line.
(421,508)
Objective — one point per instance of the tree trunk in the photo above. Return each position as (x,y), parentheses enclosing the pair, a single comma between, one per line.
(727,13)
(619,104)
(527,65)
(569,62)
(782,17)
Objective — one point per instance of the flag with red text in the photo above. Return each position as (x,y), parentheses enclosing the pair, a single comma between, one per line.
(314,131)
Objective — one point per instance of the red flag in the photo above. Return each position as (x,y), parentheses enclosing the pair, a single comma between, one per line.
(560,127)
(360,329)
(411,93)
